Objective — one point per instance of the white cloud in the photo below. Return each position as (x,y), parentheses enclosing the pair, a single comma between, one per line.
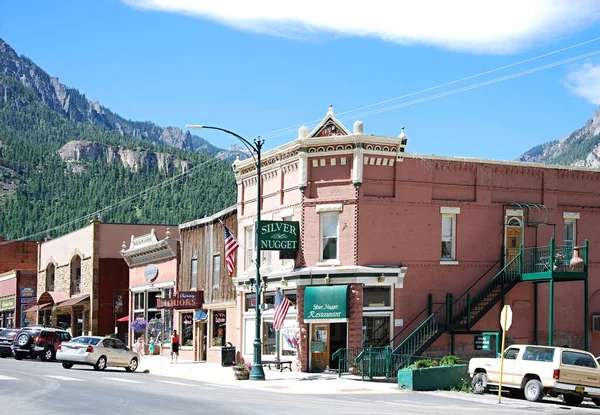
(479,26)
(584,82)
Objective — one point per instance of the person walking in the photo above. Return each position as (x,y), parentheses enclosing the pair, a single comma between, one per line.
(174,346)
(138,347)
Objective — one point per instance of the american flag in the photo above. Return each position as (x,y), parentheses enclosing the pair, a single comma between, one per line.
(231,245)
(282,305)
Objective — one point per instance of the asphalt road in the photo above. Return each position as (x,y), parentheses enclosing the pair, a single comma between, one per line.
(31,387)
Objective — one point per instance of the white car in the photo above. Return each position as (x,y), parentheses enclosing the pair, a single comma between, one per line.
(98,352)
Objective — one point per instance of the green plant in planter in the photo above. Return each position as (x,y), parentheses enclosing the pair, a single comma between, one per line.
(242,370)
(449,360)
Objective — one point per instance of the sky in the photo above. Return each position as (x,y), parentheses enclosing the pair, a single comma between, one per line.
(264,66)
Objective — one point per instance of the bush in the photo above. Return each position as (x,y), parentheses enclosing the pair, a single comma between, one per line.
(444,361)
(449,360)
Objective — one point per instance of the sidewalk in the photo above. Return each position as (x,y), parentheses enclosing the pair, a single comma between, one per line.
(275,381)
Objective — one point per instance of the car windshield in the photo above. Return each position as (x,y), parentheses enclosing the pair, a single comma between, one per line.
(86,340)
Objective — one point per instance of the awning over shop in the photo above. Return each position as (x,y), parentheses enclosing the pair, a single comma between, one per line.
(38,307)
(74,300)
(326,304)
(53,297)
(200,315)
(123,319)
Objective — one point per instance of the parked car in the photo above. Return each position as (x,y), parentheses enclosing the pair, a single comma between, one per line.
(7,337)
(42,341)
(540,370)
(98,352)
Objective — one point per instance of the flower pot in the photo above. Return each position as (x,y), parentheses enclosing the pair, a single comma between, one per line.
(241,374)
(576,262)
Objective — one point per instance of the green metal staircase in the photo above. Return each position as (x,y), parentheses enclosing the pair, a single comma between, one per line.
(461,313)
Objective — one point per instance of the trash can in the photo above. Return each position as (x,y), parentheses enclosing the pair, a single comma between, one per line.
(228,355)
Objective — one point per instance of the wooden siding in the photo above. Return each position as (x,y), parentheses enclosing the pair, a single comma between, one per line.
(204,242)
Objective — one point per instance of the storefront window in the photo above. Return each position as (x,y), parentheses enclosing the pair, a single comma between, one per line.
(219,321)
(187,329)
(250,302)
(268,340)
(377,297)
(376,331)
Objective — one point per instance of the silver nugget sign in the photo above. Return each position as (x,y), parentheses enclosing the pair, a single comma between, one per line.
(279,235)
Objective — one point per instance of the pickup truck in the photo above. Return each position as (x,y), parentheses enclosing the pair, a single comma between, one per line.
(539,370)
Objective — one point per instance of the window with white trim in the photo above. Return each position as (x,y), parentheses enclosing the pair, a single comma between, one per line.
(448,237)
(329,230)
(249,247)
(570,233)
(194,271)
(216,277)
(287,263)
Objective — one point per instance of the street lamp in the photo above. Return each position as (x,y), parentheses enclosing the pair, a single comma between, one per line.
(257,372)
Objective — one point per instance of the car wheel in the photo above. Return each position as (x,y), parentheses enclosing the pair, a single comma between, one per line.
(479,383)
(47,354)
(100,364)
(133,365)
(18,356)
(67,365)
(534,390)
(572,400)
(3,356)
(23,339)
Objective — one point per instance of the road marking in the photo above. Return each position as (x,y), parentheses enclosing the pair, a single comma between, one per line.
(175,383)
(123,380)
(64,378)
(2,377)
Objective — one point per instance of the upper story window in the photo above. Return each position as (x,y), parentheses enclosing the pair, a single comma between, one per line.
(329,228)
(570,233)
(249,247)
(50,277)
(76,275)
(449,233)
(216,270)
(194,273)
(377,297)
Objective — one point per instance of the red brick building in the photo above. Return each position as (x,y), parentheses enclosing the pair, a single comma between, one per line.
(390,242)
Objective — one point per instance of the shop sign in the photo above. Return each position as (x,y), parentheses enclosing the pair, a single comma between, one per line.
(279,235)
(27,292)
(326,304)
(219,317)
(7,303)
(183,300)
(482,342)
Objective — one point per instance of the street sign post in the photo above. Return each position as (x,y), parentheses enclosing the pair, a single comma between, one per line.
(505,322)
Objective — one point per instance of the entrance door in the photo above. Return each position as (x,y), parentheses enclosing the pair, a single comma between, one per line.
(319,347)
(200,340)
(338,340)
(513,238)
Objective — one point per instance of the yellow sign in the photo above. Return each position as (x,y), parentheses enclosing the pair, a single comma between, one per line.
(7,303)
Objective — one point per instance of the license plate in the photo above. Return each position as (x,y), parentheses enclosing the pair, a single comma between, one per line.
(579,389)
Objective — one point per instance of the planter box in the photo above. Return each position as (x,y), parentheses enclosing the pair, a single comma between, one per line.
(432,378)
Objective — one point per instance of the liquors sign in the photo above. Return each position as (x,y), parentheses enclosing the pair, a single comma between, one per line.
(279,235)
(183,300)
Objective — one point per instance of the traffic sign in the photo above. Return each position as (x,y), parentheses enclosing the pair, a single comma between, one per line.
(506,317)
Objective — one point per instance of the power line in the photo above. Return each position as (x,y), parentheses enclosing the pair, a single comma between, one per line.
(287,130)
(207,164)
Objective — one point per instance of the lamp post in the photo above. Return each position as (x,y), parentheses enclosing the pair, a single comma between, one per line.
(257,372)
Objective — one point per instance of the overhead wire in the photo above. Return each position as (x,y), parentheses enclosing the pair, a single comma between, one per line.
(287,130)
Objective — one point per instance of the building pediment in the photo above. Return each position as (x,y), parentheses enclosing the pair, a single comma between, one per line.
(329,127)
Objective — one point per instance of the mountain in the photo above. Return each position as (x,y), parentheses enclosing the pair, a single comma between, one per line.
(76,107)
(65,160)
(581,148)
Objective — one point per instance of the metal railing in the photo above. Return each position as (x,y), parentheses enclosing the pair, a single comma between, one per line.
(555,258)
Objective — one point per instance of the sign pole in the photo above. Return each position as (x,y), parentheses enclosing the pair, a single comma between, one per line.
(504,318)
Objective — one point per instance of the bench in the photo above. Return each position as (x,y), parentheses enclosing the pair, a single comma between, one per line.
(279,364)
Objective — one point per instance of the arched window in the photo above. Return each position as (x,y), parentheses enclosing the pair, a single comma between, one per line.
(514,222)
(50,277)
(76,275)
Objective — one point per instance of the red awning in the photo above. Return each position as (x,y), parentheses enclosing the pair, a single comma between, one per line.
(123,319)
(37,307)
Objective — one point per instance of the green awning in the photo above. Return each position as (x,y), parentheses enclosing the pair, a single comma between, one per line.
(326,304)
